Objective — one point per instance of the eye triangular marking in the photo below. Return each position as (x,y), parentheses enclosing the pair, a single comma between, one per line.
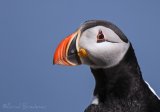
(100,37)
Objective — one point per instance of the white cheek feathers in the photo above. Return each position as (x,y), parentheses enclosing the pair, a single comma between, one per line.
(108,54)
(101,54)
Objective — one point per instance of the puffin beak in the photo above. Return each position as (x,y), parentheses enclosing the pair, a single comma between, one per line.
(67,51)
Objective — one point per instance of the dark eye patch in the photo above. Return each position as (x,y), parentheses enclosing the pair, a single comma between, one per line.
(100,37)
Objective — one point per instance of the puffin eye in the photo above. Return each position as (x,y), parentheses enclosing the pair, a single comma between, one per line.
(100,37)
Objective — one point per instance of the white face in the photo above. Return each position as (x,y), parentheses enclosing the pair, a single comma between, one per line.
(103,51)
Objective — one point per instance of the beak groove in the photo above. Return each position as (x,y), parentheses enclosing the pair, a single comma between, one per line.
(64,54)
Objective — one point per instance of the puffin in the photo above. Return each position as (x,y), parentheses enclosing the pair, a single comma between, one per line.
(119,85)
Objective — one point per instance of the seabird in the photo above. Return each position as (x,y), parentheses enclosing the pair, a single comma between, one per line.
(119,85)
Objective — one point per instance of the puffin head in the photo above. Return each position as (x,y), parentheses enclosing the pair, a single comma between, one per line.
(97,43)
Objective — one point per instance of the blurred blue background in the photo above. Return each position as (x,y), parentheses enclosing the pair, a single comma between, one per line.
(30,31)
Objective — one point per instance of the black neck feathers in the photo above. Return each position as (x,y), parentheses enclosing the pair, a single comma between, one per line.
(123,87)
(120,80)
